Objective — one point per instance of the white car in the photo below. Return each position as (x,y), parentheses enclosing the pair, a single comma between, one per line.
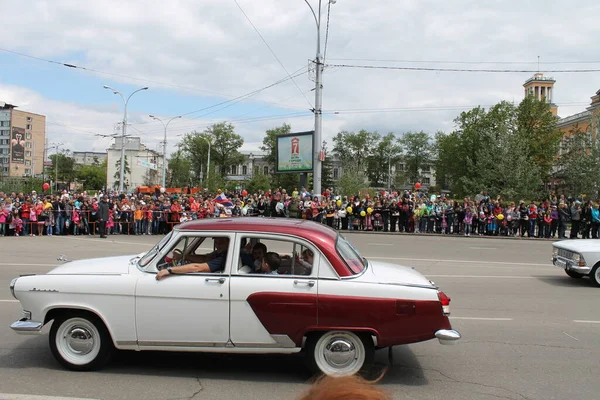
(578,258)
(324,298)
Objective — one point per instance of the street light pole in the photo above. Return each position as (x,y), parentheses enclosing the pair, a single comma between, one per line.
(317,163)
(164,169)
(122,172)
(56,146)
(208,162)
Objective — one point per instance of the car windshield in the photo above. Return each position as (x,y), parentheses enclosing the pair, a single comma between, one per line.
(355,262)
(143,262)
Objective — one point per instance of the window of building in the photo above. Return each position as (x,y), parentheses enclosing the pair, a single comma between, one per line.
(5,169)
(426,181)
(244,170)
(4,123)
(28,145)
(28,136)
(266,170)
(3,141)
(27,171)
(27,162)
(4,132)
(28,153)
(256,170)
(401,167)
(3,151)
(336,173)
(426,168)
(28,119)
(234,170)
(28,126)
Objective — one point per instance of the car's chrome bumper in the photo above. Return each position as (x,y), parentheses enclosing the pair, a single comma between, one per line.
(27,327)
(569,265)
(447,336)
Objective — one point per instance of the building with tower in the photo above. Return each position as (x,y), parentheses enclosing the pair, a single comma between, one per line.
(542,88)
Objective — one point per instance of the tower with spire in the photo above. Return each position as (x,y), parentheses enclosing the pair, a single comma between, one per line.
(542,88)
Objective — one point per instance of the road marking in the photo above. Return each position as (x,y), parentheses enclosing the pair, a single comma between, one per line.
(28,265)
(9,301)
(483,248)
(481,318)
(14,396)
(460,261)
(108,240)
(583,321)
(380,244)
(572,337)
(481,276)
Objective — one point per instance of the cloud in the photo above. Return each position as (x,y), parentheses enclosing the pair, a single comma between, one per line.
(209,47)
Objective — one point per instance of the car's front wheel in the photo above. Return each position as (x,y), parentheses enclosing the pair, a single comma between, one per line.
(574,274)
(80,341)
(595,275)
(339,353)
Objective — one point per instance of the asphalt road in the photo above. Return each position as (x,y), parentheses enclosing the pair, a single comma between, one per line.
(529,331)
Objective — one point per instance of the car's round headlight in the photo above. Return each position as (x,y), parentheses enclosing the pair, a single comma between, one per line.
(12,287)
(554,251)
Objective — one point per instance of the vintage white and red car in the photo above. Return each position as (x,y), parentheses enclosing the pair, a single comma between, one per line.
(325,299)
(578,258)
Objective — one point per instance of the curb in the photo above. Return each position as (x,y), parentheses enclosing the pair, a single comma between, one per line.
(451,235)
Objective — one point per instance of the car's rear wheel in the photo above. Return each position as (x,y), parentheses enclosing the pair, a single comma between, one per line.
(80,341)
(595,275)
(574,274)
(339,353)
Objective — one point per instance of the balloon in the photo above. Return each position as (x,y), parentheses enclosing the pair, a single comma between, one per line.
(433,197)
(162,190)
(349,209)
(369,210)
(417,185)
(500,217)
(45,186)
(362,213)
(244,193)
(509,217)
(339,203)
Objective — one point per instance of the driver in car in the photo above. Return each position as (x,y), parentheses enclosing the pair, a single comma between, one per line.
(212,262)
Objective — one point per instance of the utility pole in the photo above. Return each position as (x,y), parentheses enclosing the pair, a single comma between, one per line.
(317,163)
(122,171)
(164,169)
(56,146)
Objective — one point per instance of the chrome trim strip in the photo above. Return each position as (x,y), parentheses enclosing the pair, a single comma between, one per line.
(153,343)
(284,341)
(26,326)
(127,343)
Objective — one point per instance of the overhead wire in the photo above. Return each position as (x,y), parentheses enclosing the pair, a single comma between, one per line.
(463,62)
(390,67)
(272,52)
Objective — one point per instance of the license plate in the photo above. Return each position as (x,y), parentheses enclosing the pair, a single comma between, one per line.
(561,263)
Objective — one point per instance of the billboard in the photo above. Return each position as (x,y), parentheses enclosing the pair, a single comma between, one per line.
(17,146)
(147,164)
(295,152)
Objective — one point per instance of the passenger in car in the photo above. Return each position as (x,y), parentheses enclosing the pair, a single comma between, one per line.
(254,259)
(212,262)
(270,263)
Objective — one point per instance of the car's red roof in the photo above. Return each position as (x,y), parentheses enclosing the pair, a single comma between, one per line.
(320,235)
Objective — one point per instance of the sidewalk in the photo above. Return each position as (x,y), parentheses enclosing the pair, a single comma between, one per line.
(567,233)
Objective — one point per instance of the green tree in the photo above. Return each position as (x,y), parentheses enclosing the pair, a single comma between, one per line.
(417,152)
(537,126)
(354,148)
(93,176)
(352,181)
(126,170)
(269,145)
(578,165)
(258,182)
(225,146)
(194,148)
(66,167)
(385,154)
(179,170)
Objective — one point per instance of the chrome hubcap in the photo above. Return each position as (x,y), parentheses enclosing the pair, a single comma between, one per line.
(339,353)
(80,340)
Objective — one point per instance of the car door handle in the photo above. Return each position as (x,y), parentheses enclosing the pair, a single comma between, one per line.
(308,283)
(220,280)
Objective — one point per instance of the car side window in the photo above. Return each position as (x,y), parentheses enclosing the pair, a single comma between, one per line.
(196,249)
(294,258)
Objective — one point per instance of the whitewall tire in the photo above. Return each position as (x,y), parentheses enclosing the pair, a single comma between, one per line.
(80,341)
(595,275)
(339,353)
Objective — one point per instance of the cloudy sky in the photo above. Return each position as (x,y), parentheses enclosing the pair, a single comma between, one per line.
(194,55)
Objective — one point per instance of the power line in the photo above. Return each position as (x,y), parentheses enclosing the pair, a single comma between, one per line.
(459,69)
(272,52)
(463,62)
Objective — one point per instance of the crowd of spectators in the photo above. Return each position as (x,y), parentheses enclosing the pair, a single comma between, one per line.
(65,213)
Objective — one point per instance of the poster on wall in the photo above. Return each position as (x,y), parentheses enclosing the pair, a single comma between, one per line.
(295,152)
(17,148)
